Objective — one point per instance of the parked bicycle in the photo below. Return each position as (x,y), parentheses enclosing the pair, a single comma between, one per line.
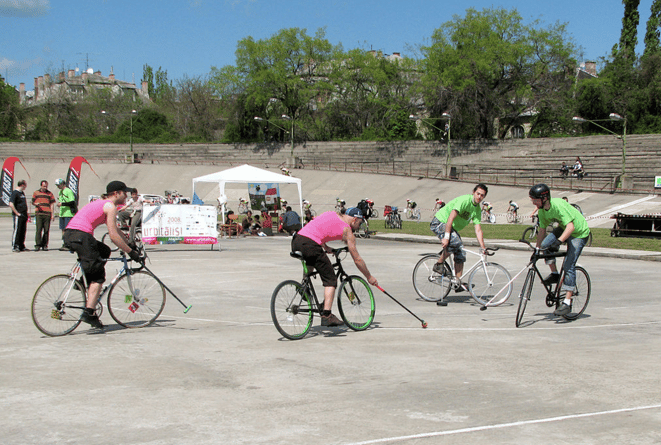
(136,297)
(412,210)
(393,220)
(294,304)
(374,212)
(483,278)
(554,294)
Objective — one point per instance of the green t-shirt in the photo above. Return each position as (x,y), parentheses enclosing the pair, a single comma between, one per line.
(563,213)
(468,212)
(66,195)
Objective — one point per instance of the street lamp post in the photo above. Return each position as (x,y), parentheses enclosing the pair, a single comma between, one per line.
(611,117)
(444,116)
(261,119)
(131,114)
(287,118)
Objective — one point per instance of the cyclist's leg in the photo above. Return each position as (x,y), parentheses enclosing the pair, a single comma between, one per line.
(548,240)
(574,249)
(136,221)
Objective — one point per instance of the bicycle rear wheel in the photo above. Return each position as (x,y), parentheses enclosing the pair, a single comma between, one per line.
(57,305)
(430,285)
(291,310)
(581,296)
(137,300)
(375,213)
(525,296)
(510,217)
(363,230)
(397,222)
(355,302)
(488,284)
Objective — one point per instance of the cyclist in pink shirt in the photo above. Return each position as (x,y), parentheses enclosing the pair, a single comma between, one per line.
(311,242)
(79,237)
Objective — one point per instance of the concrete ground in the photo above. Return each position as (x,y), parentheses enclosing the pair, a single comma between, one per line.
(223,374)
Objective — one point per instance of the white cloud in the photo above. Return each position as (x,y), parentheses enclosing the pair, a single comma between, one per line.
(24,8)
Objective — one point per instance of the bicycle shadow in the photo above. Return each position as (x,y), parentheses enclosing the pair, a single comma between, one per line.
(331,331)
(557,319)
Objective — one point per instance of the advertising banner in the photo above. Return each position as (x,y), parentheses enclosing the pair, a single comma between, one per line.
(7,179)
(73,174)
(657,182)
(179,224)
(264,196)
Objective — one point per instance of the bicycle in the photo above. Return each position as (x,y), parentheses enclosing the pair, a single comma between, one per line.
(307,207)
(439,205)
(364,229)
(483,277)
(487,216)
(293,304)
(132,236)
(374,212)
(512,217)
(412,212)
(136,297)
(340,204)
(244,206)
(554,296)
(393,220)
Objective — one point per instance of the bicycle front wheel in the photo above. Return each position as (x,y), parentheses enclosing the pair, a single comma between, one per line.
(363,230)
(291,310)
(397,222)
(431,285)
(510,217)
(136,300)
(589,243)
(525,296)
(529,234)
(356,303)
(57,305)
(490,285)
(375,213)
(581,295)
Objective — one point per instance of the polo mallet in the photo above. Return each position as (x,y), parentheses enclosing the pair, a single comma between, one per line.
(187,308)
(424,324)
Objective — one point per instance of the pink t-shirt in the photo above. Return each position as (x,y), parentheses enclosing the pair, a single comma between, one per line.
(324,228)
(89,217)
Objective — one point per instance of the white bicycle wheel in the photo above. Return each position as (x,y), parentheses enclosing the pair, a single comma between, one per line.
(431,285)
(488,284)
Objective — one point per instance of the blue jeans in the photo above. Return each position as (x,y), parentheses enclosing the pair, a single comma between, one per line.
(574,249)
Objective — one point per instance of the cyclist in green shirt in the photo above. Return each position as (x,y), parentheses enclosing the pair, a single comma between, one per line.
(456,215)
(572,229)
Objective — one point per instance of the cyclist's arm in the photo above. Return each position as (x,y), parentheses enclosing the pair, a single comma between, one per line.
(350,239)
(480,236)
(567,232)
(115,236)
(448,228)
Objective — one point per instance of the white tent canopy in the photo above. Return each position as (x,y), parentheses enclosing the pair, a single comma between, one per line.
(245,174)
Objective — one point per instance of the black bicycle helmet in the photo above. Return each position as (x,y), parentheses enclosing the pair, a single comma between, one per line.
(540,191)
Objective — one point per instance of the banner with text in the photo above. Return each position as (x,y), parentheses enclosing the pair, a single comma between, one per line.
(179,224)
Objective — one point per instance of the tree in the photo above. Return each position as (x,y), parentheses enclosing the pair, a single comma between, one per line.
(652,44)
(490,65)
(629,35)
(157,83)
(11,114)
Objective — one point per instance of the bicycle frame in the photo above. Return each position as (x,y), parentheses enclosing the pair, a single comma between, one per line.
(477,264)
(307,285)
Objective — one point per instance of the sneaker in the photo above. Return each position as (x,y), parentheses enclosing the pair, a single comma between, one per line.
(91,319)
(331,320)
(552,279)
(16,250)
(45,249)
(463,287)
(441,303)
(564,309)
(37,248)
(439,268)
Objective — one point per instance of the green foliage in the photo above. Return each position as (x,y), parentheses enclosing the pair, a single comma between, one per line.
(148,126)
(11,114)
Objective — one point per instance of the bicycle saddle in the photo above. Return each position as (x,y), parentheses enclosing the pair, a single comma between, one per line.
(298,255)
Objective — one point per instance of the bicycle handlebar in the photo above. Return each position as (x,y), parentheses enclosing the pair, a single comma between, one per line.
(538,252)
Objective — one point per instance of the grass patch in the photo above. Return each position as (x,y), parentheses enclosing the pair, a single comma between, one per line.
(600,237)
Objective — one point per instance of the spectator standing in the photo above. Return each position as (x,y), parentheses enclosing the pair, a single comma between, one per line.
(66,201)
(19,207)
(44,212)
(291,222)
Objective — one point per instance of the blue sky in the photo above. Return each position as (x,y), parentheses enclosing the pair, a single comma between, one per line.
(187,37)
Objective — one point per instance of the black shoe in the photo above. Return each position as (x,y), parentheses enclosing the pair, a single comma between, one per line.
(551,279)
(16,250)
(441,303)
(45,249)
(37,248)
(91,319)
(463,287)
(25,249)
(331,321)
(439,268)
(564,309)
(63,248)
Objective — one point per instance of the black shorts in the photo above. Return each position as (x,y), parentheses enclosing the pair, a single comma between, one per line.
(91,254)
(315,256)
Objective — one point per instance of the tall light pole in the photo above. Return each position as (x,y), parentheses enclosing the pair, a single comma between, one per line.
(444,116)
(287,118)
(611,117)
(131,114)
(261,119)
